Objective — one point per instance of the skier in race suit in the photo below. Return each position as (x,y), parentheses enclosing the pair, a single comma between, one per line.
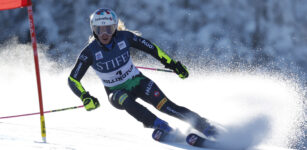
(109,55)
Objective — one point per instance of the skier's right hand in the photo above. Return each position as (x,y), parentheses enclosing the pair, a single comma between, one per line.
(89,102)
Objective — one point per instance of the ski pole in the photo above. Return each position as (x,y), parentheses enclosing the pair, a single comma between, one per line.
(155,69)
(50,111)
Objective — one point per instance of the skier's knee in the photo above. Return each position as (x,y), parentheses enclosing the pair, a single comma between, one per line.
(118,99)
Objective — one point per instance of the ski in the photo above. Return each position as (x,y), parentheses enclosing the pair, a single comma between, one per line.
(178,137)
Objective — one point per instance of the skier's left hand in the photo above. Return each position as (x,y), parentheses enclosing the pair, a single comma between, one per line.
(89,102)
(181,70)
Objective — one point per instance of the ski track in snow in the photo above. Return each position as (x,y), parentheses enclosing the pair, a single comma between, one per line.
(259,111)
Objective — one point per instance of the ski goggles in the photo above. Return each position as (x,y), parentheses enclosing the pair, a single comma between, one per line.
(100,30)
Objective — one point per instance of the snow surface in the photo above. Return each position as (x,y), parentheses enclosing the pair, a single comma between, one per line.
(260,110)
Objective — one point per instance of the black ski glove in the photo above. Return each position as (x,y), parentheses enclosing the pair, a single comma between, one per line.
(89,102)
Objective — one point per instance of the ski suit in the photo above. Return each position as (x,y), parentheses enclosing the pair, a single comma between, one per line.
(123,82)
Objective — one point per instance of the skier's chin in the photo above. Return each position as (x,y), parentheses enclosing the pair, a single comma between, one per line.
(105,39)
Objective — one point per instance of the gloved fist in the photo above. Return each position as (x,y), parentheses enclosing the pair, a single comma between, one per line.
(89,102)
(181,70)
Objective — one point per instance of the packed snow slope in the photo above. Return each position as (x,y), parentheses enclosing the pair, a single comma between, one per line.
(259,110)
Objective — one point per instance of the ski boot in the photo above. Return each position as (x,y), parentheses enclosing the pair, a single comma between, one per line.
(161,129)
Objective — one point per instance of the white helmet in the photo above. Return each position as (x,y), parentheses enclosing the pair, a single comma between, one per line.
(103,21)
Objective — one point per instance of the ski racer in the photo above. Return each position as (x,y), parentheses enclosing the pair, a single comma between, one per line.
(109,55)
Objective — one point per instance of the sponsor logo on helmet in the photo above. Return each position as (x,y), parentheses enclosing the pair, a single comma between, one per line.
(104,18)
(101,11)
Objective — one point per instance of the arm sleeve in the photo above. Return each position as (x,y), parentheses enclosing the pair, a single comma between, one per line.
(78,71)
(152,49)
